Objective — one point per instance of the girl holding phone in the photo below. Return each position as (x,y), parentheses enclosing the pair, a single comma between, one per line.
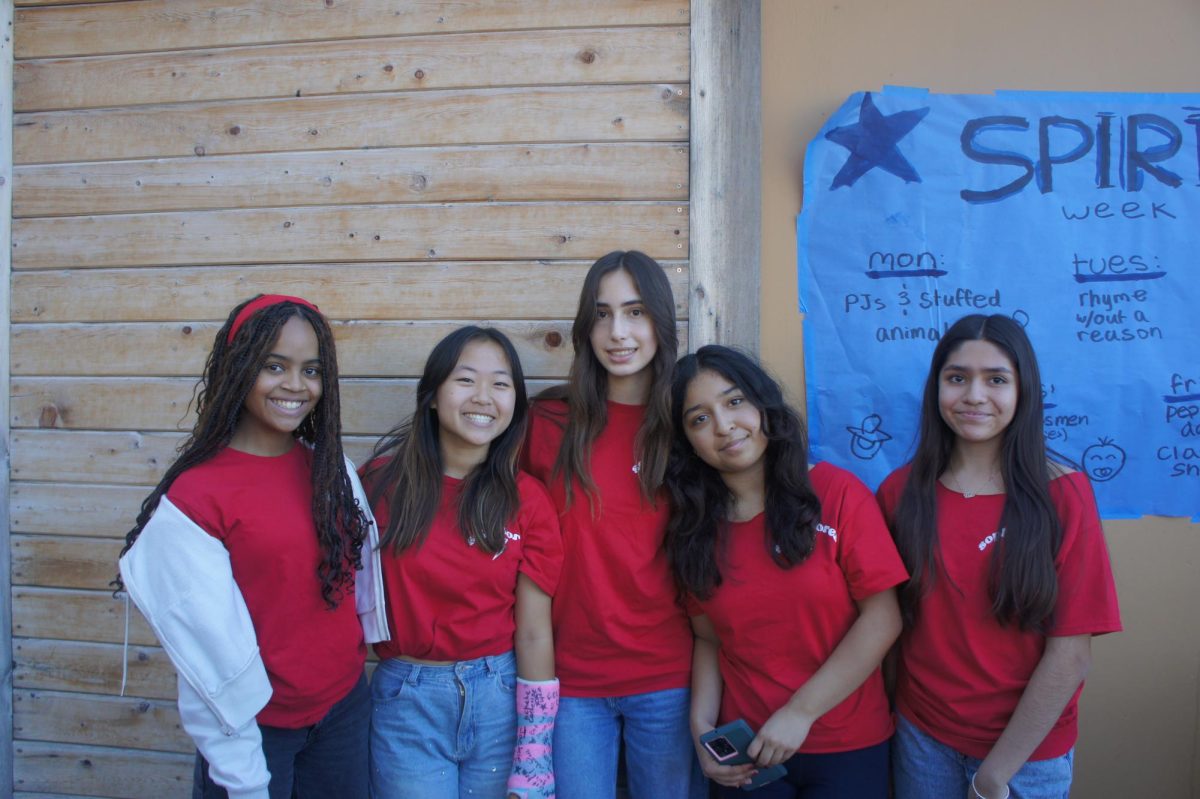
(471,556)
(622,644)
(789,573)
(1010,580)
(244,561)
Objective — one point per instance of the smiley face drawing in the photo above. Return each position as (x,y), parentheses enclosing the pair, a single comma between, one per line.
(867,438)
(1103,461)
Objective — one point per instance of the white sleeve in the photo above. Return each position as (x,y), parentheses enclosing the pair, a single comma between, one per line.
(236,761)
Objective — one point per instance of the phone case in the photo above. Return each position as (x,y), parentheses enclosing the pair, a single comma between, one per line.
(728,744)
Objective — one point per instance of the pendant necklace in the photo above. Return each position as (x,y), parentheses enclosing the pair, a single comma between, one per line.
(970,494)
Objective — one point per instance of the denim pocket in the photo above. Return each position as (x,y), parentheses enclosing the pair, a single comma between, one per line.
(507,683)
(385,687)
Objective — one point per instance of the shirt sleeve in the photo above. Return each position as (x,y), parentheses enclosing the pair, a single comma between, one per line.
(1087,594)
(235,760)
(541,539)
(867,554)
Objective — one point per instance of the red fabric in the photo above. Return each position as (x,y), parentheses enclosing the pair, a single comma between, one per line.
(261,509)
(961,673)
(254,306)
(451,601)
(618,629)
(778,626)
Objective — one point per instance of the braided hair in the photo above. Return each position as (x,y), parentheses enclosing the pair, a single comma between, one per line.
(231,371)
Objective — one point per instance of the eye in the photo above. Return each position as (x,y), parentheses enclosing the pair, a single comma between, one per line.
(312,371)
(636,312)
(273,368)
(736,401)
(464,380)
(601,314)
(502,384)
(999,380)
(698,420)
(954,378)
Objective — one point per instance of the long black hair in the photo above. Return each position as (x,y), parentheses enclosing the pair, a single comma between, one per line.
(1022,579)
(700,501)
(230,373)
(586,392)
(410,476)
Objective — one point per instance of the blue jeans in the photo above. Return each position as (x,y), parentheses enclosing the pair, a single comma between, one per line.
(660,762)
(857,774)
(314,762)
(443,732)
(924,768)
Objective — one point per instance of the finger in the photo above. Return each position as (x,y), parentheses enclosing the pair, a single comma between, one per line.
(755,747)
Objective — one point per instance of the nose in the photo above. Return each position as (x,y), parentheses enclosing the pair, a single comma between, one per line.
(483,392)
(975,391)
(722,423)
(619,326)
(293,380)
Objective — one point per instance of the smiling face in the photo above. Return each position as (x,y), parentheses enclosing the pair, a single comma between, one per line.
(723,426)
(286,391)
(978,392)
(623,338)
(474,406)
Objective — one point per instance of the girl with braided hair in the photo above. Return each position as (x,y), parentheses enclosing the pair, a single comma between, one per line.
(253,561)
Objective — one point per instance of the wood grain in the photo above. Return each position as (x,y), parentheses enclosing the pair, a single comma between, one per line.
(482,173)
(165,24)
(449,290)
(657,112)
(445,61)
(92,668)
(108,721)
(355,233)
(94,771)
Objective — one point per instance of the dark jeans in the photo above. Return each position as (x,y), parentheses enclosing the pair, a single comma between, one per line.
(323,760)
(858,774)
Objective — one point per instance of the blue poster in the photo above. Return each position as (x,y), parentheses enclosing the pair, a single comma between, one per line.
(1076,214)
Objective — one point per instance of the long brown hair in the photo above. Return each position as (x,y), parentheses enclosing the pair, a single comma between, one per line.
(410,476)
(586,391)
(1023,582)
(230,373)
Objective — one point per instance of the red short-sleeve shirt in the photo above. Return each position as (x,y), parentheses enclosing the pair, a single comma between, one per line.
(961,673)
(447,599)
(778,626)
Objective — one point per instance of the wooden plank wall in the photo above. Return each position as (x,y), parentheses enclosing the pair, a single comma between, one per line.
(407,165)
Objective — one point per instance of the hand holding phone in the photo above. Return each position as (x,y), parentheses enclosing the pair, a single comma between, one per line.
(728,745)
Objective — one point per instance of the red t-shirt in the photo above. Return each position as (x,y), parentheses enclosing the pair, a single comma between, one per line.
(449,600)
(778,626)
(261,509)
(618,629)
(961,673)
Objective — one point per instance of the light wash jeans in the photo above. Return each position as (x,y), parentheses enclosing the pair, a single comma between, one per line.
(659,759)
(443,732)
(924,768)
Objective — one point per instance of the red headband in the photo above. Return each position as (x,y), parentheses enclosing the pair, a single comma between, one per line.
(265,301)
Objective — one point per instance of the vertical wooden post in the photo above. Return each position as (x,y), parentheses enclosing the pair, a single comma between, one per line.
(726,176)
(6,176)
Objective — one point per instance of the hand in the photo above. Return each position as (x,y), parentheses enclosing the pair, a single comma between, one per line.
(728,776)
(780,737)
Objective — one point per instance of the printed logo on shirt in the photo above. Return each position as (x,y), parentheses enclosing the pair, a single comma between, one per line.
(509,535)
(821,528)
(991,539)
(827,530)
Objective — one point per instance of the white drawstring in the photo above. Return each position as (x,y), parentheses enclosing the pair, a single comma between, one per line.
(125,647)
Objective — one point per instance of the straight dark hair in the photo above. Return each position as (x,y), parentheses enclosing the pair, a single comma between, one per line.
(406,467)
(586,391)
(698,530)
(1022,579)
(230,373)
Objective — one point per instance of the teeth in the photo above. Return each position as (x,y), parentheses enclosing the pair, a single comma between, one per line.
(482,418)
(620,353)
(288,405)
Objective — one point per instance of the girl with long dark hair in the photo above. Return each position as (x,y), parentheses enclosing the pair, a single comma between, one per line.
(244,560)
(622,645)
(471,556)
(788,573)
(1010,580)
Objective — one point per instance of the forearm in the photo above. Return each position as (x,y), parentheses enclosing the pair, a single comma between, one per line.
(706,687)
(1063,666)
(534,639)
(853,660)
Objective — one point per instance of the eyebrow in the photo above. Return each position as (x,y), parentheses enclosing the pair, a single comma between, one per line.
(280,357)
(476,371)
(957,368)
(626,304)
(724,393)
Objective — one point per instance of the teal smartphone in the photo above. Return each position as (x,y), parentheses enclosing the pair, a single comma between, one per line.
(728,744)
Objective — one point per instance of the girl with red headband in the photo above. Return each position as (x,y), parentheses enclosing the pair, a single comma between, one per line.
(254,561)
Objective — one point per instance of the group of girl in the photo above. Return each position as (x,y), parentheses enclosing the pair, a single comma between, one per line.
(626,563)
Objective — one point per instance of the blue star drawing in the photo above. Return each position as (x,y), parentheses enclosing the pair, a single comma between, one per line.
(872,143)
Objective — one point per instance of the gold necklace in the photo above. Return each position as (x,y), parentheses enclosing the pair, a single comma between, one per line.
(969,494)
